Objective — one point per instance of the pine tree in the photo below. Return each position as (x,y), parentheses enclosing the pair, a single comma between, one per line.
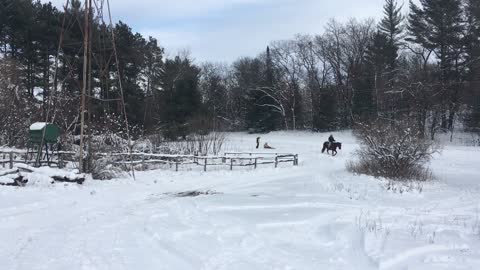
(438,26)
(257,80)
(130,48)
(327,114)
(214,93)
(152,72)
(180,98)
(248,73)
(269,117)
(392,27)
(473,60)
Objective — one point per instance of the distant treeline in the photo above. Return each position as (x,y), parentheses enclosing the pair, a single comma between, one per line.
(424,67)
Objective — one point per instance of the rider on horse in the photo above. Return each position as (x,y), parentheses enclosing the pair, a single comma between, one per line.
(331,140)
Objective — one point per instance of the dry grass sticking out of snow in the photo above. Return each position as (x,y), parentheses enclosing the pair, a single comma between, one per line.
(314,216)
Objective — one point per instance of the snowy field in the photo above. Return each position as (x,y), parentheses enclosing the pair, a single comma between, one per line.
(314,216)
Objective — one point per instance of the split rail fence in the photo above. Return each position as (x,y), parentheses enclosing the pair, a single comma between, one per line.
(229,160)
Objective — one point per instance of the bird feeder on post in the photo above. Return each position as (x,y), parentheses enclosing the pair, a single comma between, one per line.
(42,135)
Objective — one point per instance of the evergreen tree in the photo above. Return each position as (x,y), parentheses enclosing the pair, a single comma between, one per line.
(255,78)
(130,48)
(391,26)
(327,114)
(376,62)
(437,26)
(214,92)
(473,60)
(180,98)
(153,84)
(269,118)
(47,27)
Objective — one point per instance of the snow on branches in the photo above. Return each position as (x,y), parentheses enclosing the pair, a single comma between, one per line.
(393,150)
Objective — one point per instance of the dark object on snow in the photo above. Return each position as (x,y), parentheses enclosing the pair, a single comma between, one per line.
(266,146)
(78,180)
(23,173)
(258,142)
(17,182)
(195,193)
(331,147)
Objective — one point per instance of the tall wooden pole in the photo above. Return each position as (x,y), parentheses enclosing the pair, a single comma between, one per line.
(89,91)
(86,42)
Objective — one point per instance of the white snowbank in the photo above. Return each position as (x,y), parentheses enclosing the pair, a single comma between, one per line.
(315,216)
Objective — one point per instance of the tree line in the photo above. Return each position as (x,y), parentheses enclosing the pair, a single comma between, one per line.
(424,66)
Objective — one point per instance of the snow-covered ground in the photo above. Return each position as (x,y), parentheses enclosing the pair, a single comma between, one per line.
(314,216)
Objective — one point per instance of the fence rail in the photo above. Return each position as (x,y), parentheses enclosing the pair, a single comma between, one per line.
(230,160)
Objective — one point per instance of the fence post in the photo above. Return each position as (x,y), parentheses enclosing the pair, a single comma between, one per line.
(255,163)
(231,164)
(276,161)
(296,160)
(11,160)
(205,165)
(176,166)
(60,160)
(224,159)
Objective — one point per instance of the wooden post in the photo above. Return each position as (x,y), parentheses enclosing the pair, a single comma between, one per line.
(60,160)
(255,166)
(3,160)
(276,161)
(296,160)
(176,166)
(205,165)
(231,164)
(11,160)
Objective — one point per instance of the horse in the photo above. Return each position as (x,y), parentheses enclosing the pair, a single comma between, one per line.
(333,147)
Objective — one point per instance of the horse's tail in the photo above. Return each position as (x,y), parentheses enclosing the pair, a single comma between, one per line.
(325,146)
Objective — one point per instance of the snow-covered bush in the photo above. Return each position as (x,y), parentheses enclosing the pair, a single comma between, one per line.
(204,144)
(392,150)
(102,169)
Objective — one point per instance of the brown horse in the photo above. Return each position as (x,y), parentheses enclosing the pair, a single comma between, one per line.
(333,147)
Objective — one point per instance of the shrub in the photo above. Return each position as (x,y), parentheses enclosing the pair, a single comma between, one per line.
(392,150)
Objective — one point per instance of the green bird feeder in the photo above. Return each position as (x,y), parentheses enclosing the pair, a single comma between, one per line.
(42,135)
(37,131)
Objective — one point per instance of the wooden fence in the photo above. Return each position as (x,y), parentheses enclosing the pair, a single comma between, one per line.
(230,160)
(58,159)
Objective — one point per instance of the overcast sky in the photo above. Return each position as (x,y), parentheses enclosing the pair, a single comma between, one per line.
(223,30)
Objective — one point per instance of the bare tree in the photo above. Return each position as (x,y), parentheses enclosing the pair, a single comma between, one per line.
(315,76)
(290,67)
(345,47)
